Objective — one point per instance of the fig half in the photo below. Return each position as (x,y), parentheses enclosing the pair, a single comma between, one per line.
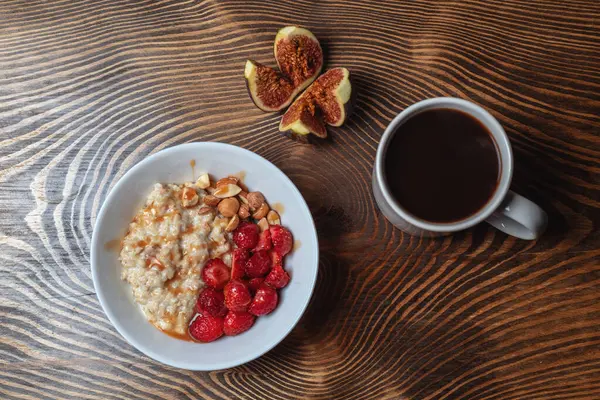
(326,101)
(300,59)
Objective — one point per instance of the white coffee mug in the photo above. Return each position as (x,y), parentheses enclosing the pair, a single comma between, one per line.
(505,210)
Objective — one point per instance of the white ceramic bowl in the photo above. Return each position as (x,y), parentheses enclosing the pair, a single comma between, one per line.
(173,165)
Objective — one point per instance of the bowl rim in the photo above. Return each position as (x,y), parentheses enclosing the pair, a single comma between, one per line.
(202,365)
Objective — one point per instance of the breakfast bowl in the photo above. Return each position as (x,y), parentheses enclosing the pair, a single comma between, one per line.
(184,163)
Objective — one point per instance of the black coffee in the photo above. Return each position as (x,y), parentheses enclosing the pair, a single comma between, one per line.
(442,165)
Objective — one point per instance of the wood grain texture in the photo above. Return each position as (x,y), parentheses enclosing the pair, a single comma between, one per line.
(89,88)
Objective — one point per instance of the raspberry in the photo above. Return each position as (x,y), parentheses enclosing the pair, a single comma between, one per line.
(237,296)
(206,328)
(264,241)
(254,284)
(282,239)
(259,264)
(265,301)
(237,322)
(211,302)
(278,277)
(245,235)
(238,263)
(215,273)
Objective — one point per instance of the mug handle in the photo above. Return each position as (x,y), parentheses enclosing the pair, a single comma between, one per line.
(519,217)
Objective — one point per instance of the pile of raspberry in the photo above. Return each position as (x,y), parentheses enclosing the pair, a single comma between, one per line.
(234,297)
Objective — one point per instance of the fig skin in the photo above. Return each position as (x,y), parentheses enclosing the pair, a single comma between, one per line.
(304,139)
(344,96)
(292,80)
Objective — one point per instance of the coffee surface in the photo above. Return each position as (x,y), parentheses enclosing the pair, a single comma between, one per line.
(442,165)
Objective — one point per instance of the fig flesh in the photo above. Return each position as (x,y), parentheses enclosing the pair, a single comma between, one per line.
(300,59)
(269,90)
(326,101)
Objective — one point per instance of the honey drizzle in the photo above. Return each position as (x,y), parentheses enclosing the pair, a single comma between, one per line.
(113,245)
(193,165)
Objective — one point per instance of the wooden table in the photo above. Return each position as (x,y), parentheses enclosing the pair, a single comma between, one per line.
(88,89)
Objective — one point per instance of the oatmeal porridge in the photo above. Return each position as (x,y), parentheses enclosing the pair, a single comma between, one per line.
(168,243)
(205,259)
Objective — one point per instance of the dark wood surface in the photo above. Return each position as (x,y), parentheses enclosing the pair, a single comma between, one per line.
(89,88)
